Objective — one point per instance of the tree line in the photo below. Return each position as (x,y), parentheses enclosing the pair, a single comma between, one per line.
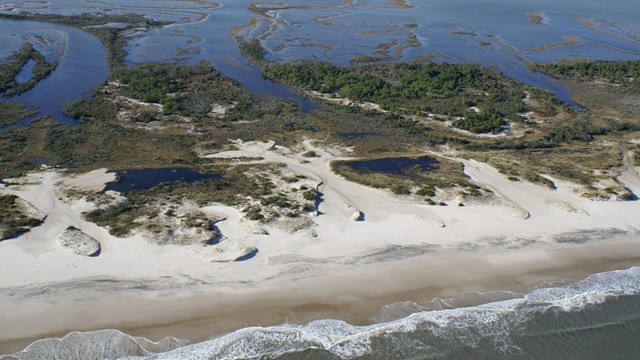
(415,89)
(619,72)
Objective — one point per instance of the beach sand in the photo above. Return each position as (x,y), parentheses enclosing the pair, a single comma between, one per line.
(528,236)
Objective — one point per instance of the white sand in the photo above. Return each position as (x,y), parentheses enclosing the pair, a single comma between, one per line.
(398,247)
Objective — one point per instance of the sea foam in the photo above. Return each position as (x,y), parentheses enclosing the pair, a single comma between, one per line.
(420,333)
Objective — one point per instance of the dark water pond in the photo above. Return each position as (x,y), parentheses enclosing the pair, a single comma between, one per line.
(358,135)
(394,165)
(143,179)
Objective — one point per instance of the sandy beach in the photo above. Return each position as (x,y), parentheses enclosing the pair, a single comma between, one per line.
(334,268)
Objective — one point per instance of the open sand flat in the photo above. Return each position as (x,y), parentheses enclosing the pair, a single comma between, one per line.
(401,250)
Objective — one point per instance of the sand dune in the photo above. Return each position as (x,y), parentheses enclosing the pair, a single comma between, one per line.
(400,250)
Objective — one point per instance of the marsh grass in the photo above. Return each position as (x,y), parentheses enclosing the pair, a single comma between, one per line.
(445,174)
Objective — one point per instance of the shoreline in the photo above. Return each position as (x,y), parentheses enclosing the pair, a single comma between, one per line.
(526,236)
(199,312)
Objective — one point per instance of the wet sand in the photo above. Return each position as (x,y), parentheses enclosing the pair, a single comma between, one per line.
(523,237)
(198,313)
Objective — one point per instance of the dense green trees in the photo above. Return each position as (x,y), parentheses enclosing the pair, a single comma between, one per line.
(183,90)
(252,50)
(485,121)
(96,108)
(414,88)
(619,72)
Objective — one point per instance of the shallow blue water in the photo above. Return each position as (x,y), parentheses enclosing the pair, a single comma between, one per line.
(82,67)
(26,73)
(487,32)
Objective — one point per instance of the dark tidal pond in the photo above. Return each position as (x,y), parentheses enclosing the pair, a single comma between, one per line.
(144,179)
(363,135)
(393,165)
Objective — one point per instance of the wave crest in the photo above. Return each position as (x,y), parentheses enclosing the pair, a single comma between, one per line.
(422,334)
(101,344)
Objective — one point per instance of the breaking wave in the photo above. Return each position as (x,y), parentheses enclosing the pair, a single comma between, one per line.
(101,344)
(568,322)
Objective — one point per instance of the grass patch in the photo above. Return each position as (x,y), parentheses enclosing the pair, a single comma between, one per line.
(584,164)
(11,112)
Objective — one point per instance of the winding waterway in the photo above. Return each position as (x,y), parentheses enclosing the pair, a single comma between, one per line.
(485,32)
(82,67)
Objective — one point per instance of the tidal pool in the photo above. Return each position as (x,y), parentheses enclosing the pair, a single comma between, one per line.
(144,179)
(393,165)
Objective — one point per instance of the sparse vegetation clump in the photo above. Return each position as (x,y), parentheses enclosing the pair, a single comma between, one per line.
(167,222)
(485,121)
(13,219)
(166,206)
(161,208)
(626,73)
(310,195)
(252,50)
(535,17)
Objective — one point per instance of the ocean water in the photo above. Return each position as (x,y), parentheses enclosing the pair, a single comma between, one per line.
(596,318)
